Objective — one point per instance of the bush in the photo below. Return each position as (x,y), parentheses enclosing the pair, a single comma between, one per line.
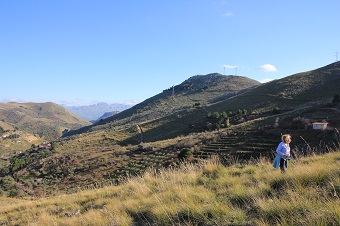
(18,163)
(185,154)
(7,183)
(197,105)
(4,171)
(13,192)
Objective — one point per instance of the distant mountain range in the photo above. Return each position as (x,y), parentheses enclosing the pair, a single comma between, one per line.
(98,111)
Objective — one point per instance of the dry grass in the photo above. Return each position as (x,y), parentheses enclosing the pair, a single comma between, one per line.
(204,194)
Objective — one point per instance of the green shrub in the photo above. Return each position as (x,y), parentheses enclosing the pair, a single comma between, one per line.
(4,171)
(7,183)
(185,154)
(18,163)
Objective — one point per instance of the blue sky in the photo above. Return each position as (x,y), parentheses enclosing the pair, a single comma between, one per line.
(80,52)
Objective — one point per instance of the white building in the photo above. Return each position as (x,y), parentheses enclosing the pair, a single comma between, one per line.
(320,125)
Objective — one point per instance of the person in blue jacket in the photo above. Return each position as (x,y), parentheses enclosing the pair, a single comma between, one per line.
(283,153)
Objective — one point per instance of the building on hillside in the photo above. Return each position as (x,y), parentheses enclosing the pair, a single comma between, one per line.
(320,125)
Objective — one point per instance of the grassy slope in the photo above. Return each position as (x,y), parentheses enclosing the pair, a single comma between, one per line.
(205,194)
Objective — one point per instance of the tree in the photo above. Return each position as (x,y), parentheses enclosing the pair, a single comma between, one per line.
(17,163)
(227,123)
(214,115)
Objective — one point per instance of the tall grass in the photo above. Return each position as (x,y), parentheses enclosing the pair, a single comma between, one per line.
(203,194)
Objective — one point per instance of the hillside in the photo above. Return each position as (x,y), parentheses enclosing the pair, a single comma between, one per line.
(289,93)
(109,152)
(46,120)
(207,193)
(178,116)
(199,90)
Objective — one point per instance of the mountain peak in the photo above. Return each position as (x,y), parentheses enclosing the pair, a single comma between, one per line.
(204,78)
(215,81)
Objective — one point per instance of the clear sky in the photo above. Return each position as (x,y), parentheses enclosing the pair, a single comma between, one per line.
(80,52)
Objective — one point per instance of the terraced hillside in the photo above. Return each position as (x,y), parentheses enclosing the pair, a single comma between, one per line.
(242,145)
(260,137)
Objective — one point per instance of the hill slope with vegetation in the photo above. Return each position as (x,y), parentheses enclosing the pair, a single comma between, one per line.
(25,124)
(244,126)
(166,115)
(197,91)
(207,193)
(286,94)
(44,119)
